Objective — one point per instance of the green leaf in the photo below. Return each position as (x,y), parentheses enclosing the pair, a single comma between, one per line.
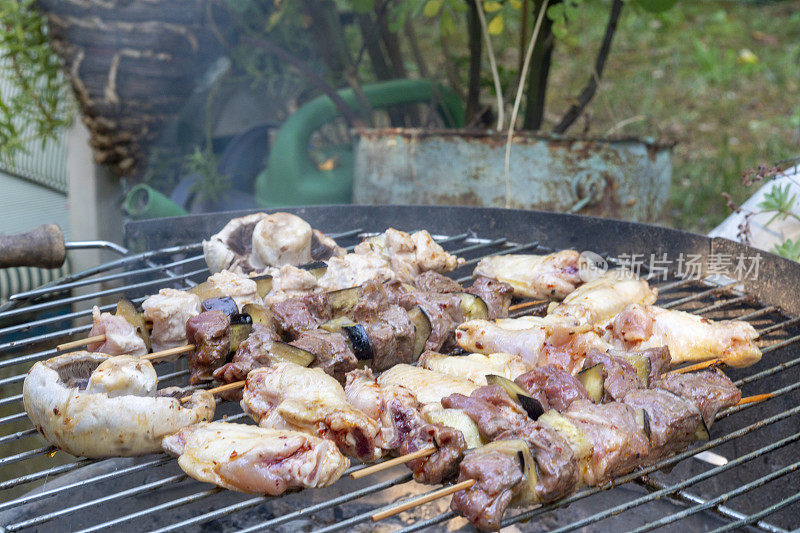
(446,24)
(496,25)
(491,7)
(363,6)
(778,199)
(789,249)
(432,8)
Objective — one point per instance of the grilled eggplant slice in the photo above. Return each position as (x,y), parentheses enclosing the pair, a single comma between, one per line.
(316,269)
(456,419)
(241,327)
(127,310)
(519,448)
(336,324)
(639,361)
(577,439)
(643,419)
(260,314)
(343,300)
(702,432)
(422,328)
(593,381)
(226,304)
(518,394)
(281,352)
(473,307)
(362,347)
(207,290)
(263,284)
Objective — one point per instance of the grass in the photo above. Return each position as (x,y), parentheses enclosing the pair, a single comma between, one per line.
(721,78)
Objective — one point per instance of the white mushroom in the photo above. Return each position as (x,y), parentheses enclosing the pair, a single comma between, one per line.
(94,405)
(231,248)
(282,239)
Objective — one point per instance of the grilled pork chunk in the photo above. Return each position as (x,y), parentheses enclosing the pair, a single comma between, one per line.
(604,297)
(289,396)
(534,276)
(169,310)
(255,460)
(689,337)
(121,337)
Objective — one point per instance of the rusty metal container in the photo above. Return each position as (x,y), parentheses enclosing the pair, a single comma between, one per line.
(622,178)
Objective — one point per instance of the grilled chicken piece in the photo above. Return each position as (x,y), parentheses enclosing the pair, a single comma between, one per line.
(169,310)
(534,276)
(289,282)
(93,405)
(604,297)
(427,386)
(538,341)
(121,337)
(255,460)
(474,367)
(353,270)
(242,290)
(689,337)
(289,396)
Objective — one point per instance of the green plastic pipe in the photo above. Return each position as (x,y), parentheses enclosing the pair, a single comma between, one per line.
(143,202)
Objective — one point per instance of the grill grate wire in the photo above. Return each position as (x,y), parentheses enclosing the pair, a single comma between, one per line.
(143,271)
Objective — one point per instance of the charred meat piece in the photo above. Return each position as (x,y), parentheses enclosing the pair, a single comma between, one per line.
(619,376)
(672,420)
(620,444)
(252,354)
(496,294)
(709,390)
(498,477)
(559,387)
(391,336)
(296,315)
(442,464)
(434,282)
(334,354)
(210,332)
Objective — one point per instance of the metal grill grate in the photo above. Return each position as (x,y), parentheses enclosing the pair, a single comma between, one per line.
(152,493)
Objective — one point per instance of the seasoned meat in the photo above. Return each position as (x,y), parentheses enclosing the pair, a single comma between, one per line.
(491,409)
(353,270)
(495,294)
(210,332)
(443,463)
(602,298)
(445,313)
(427,386)
(289,396)
(391,335)
(534,276)
(372,301)
(121,337)
(296,315)
(689,337)
(673,420)
(619,376)
(709,390)
(559,387)
(169,310)
(474,367)
(242,290)
(434,282)
(251,354)
(289,282)
(334,354)
(620,444)
(255,460)
(498,477)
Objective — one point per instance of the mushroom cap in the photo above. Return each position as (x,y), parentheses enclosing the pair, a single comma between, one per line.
(282,239)
(94,405)
(232,248)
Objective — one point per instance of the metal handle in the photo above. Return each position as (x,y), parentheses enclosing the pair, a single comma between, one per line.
(42,247)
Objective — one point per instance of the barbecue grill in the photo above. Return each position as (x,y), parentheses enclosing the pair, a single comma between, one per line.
(758,488)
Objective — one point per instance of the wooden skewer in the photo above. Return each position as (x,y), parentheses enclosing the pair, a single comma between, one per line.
(756,398)
(222,388)
(441,493)
(696,366)
(170,351)
(81,342)
(525,305)
(358,474)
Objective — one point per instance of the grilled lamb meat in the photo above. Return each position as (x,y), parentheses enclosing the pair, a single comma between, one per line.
(372,301)
(672,419)
(491,409)
(434,282)
(296,315)
(619,376)
(620,444)
(210,332)
(710,390)
(495,294)
(391,336)
(334,354)
(559,387)
(445,313)
(442,464)
(251,354)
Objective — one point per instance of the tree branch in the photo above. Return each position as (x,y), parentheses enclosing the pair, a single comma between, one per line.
(590,88)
